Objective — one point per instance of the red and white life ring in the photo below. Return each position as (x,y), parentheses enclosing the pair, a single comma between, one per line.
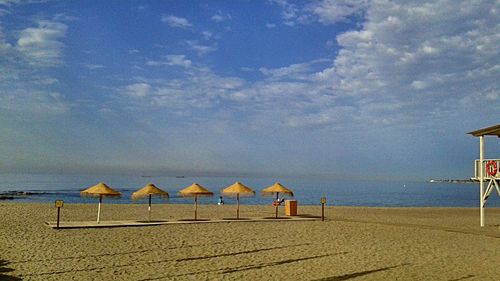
(491,172)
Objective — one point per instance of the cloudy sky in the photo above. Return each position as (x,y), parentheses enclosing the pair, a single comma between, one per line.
(354,89)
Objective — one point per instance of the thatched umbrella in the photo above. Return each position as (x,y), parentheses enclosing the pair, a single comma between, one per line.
(148,191)
(236,189)
(276,188)
(195,190)
(100,190)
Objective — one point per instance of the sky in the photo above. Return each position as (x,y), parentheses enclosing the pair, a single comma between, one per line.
(337,89)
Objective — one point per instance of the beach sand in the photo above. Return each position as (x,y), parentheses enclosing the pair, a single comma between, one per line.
(354,243)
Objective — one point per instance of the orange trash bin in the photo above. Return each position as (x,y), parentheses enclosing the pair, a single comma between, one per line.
(291,207)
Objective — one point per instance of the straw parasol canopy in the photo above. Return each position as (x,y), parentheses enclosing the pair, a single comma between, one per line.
(195,190)
(276,188)
(238,189)
(148,191)
(100,190)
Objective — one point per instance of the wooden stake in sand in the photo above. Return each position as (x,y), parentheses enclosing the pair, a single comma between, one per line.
(59,204)
(323,202)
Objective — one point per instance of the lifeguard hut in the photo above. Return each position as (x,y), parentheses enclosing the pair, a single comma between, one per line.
(486,170)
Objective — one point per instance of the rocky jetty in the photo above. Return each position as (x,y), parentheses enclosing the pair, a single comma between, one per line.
(11,195)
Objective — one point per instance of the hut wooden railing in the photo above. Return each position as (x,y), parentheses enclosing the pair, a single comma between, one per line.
(488,167)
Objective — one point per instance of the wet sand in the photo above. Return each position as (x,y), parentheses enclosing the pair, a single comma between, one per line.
(353,243)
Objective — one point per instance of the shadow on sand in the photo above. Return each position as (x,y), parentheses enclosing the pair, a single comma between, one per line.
(358,274)
(3,269)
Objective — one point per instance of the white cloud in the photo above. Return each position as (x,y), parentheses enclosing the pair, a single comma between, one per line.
(420,58)
(178,60)
(64,17)
(4,12)
(25,85)
(138,90)
(207,35)
(45,80)
(333,11)
(200,49)
(5,47)
(9,2)
(299,71)
(40,45)
(289,12)
(174,21)
(408,63)
(92,66)
(172,60)
(33,101)
(199,88)
(219,17)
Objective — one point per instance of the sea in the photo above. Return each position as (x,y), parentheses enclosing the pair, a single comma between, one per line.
(376,193)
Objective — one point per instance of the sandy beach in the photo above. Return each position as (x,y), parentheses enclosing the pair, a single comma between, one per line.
(354,243)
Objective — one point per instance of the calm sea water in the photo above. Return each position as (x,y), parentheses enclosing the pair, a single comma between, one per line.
(307,191)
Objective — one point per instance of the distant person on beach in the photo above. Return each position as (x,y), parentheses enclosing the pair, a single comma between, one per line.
(221,201)
(279,201)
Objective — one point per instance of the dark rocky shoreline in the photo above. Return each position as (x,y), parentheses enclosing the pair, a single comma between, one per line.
(11,195)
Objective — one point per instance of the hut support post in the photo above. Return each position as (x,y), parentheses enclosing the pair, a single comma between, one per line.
(238,206)
(481,180)
(149,209)
(99,208)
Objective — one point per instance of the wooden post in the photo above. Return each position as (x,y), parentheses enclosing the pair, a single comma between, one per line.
(323,201)
(238,206)
(277,198)
(59,204)
(99,208)
(149,209)
(195,207)
(58,215)
(322,212)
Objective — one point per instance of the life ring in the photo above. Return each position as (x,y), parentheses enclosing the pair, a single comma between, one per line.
(492,172)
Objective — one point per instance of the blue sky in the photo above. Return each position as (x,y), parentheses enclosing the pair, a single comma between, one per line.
(339,89)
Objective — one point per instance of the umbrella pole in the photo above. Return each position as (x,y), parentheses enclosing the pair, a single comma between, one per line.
(238,206)
(195,207)
(99,208)
(149,209)
(277,198)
